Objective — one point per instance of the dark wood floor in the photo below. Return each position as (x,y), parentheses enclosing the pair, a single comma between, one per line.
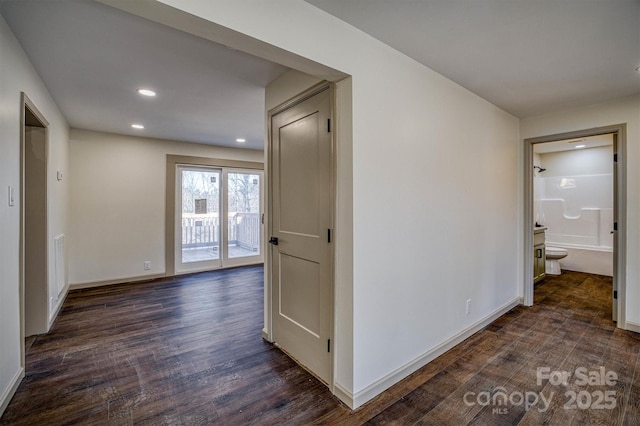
(189,351)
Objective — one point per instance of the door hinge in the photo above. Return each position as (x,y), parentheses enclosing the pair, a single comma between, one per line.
(262,220)
(615,157)
(328,125)
(615,294)
(329,345)
(328,235)
(615,226)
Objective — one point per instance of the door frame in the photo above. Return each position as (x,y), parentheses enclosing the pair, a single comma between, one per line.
(267,332)
(619,132)
(170,199)
(200,265)
(25,103)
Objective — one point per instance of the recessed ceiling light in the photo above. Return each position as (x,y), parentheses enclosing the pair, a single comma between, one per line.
(240,140)
(581,146)
(137,126)
(146,92)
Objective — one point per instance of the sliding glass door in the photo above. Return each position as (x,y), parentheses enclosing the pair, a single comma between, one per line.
(198,216)
(244,224)
(218,218)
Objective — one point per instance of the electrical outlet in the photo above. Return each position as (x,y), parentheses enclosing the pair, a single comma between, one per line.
(147,265)
(468,306)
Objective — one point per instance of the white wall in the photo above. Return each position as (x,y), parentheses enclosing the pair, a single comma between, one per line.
(286,87)
(36,293)
(435,207)
(626,110)
(117,202)
(588,161)
(17,75)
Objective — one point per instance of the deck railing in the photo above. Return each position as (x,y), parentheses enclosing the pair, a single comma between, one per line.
(200,231)
(244,230)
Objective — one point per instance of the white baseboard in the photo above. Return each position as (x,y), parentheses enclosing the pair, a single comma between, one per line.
(266,335)
(394,377)
(56,311)
(5,399)
(632,326)
(91,284)
(343,395)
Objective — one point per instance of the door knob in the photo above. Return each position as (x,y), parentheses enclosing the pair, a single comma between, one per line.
(273,240)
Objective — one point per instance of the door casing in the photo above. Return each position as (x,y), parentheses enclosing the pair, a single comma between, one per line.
(267,332)
(619,132)
(27,104)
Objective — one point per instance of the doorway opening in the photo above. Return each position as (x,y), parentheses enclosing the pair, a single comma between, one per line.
(301,205)
(575,199)
(34,277)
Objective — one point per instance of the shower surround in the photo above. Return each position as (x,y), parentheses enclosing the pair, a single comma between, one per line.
(577,208)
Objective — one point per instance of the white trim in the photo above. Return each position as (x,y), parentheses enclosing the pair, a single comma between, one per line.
(150,277)
(5,399)
(91,284)
(343,395)
(605,249)
(394,377)
(633,326)
(58,307)
(266,335)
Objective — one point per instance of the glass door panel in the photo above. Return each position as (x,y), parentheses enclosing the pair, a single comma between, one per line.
(243,214)
(199,218)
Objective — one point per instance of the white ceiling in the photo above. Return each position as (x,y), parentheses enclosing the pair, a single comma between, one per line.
(571,144)
(528,57)
(93,58)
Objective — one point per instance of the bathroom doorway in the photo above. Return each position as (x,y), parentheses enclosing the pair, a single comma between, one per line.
(575,192)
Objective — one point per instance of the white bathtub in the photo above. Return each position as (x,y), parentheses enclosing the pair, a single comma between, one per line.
(590,259)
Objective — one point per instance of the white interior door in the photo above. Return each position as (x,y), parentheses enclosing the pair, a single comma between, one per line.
(301,222)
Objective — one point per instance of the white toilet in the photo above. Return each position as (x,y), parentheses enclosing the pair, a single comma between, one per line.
(552,257)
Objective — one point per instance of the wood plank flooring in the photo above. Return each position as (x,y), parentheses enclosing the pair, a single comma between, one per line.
(188,350)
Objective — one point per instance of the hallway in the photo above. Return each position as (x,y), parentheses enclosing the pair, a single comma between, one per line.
(188,350)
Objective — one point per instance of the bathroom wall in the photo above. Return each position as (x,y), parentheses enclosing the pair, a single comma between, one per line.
(574,200)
